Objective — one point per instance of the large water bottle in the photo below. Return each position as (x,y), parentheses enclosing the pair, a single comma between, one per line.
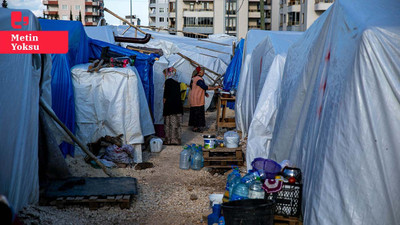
(239,192)
(184,161)
(197,160)
(232,179)
(250,177)
(255,190)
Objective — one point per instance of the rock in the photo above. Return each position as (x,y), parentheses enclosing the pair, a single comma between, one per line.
(190,188)
(193,197)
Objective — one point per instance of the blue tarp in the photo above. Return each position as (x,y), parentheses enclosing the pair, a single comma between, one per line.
(61,83)
(144,65)
(231,78)
(80,49)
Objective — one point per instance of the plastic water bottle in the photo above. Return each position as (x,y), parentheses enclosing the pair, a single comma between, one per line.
(197,160)
(255,190)
(184,161)
(233,178)
(214,216)
(240,191)
(250,177)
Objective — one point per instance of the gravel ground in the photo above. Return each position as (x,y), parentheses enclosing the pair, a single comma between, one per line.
(164,191)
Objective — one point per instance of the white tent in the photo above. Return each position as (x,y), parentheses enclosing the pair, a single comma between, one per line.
(214,53)
(271,53)
(110,102)
(263,51)
(21,80)
(338,117)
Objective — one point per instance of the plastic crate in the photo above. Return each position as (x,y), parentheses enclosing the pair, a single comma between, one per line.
(288,200)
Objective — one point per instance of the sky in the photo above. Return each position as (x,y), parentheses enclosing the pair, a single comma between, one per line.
(120,7)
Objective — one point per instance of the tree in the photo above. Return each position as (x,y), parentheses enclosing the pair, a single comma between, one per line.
(56,16)
(70,15)
(80,16)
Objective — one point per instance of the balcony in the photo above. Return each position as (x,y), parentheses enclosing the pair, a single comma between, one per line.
(51,2)
(50,12)
(91,13)
(91,24)
(89,3)
(189,13)
(322,5)
(294,8)
(172,14)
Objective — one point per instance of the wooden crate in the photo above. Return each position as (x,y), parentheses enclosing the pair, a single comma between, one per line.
(282,220)
(223,157)
(94,202)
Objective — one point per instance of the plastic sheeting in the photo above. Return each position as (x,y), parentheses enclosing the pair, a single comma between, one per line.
(101,33)
(143,63)
(19,109)
(110,102)
(263,121)
(338,117)
(231,78)
(260,50)
(61,84)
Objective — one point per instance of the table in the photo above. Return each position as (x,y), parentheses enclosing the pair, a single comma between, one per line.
(222,121)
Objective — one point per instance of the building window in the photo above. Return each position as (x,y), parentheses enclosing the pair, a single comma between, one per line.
(64,17)
(77,7)
(64,7)
(206,6)
(76,18)
(161,19)
(191,6)
(205,21)
(231,7)
(172,7)
(230,24)
(189,21)
(302,19)
(161,10)
(284,18)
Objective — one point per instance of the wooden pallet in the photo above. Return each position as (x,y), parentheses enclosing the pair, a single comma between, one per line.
(223,157)
(94,202)
(281,220)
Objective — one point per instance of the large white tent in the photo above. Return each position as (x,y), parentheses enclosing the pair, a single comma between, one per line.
(111,102)
(263,51)
(338,117)
(271,53)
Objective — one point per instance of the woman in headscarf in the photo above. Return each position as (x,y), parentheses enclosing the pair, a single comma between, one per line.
(198,90)
(173,109)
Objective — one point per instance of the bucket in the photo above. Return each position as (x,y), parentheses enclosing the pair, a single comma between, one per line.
(215,199)
(249,212)
(231,139)
(209,141)
(156,144)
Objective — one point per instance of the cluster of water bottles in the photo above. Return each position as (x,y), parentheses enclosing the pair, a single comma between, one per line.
(246,187)
(191,157)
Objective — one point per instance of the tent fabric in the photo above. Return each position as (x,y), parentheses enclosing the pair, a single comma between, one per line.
(338,116)
(19,99)
(62,91)
(231,77)
(260,50)
(101,33)
(110,102)
(143,63)
(263,120)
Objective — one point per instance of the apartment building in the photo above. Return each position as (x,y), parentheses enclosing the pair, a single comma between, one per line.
(233,17)
(298,15)
(158,13)
(90,11)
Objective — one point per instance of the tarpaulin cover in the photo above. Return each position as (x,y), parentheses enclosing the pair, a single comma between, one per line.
(338,117)
(61,84)
(110,102)
(260,50)
(263,121)
(19,118)
(144,65)
(231,77)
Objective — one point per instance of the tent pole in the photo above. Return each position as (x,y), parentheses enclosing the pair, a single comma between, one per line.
(75,139)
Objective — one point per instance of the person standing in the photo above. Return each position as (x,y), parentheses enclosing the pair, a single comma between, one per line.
(173,109)
(196,99)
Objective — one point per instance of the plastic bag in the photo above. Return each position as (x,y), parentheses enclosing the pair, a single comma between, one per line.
(120,155)
(231,139)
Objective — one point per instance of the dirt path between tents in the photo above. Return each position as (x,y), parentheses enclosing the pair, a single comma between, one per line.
(164,191)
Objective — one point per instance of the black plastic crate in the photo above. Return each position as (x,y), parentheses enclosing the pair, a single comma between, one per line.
(288,200)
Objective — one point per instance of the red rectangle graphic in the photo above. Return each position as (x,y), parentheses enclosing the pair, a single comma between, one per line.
(33,42)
